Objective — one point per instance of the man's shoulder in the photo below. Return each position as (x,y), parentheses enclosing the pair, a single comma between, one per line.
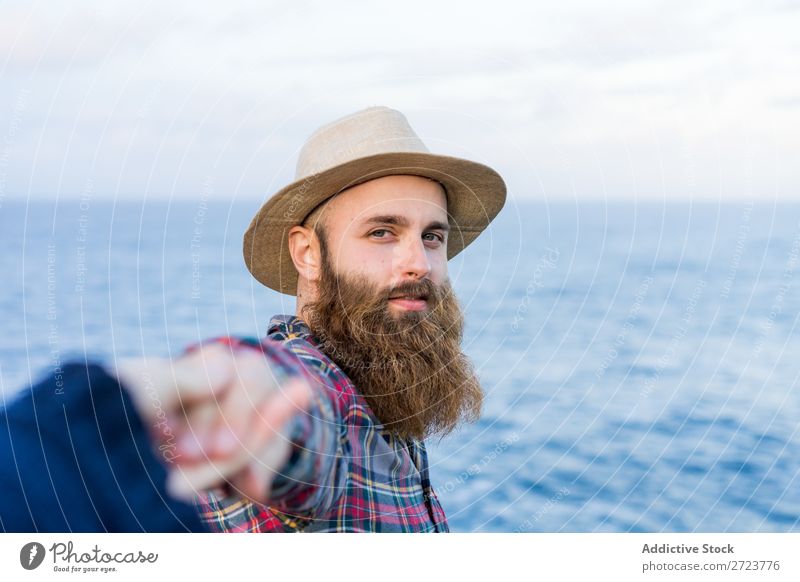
(309,356)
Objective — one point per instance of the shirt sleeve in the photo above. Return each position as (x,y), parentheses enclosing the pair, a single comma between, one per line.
(314,476)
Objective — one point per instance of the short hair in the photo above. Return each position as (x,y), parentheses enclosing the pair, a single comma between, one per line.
(315,219)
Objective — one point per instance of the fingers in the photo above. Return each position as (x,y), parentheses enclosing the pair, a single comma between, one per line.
(275,446)
(219,430)
(227,412)
(202,374)
(255,481)
(269,441)
(193,430)
(256,445)
(159,386)
(248,477)
(254,386)
(268,420)
(187,479)
(186,482)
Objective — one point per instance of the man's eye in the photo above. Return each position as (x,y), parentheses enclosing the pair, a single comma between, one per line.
(379,232)
(436,237)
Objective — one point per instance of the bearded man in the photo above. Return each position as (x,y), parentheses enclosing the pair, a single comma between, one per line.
(362,238)
(321,426)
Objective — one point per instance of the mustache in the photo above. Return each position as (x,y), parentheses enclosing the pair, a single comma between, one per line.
(424,288)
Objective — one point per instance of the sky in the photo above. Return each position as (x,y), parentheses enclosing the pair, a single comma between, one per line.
(568,100)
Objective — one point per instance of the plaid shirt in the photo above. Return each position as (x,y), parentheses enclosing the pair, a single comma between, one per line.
(345,472)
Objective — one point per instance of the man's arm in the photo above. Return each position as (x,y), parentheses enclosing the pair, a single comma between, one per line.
(77,451)
(313,475)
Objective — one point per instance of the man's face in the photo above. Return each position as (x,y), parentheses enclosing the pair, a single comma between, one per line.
(385,311)
(393,231)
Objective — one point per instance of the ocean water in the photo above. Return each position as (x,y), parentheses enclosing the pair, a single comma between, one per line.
(640,360)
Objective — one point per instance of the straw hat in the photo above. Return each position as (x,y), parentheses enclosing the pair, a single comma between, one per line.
(365,145)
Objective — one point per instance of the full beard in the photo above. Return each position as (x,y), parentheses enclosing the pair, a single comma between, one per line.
(409,367)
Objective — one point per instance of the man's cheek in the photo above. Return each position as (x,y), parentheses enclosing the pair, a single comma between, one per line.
(370,278)
(439,274)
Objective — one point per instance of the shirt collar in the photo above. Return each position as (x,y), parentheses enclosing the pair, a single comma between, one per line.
(289,326)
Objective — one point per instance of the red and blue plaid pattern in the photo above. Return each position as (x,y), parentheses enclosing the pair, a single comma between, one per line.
(345,472)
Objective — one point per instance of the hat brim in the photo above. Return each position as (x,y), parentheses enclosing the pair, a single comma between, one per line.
(475,194)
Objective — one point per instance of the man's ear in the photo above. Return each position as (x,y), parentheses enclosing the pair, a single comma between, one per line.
(305,252)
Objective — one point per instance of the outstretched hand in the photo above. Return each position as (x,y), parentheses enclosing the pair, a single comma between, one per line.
(218,416)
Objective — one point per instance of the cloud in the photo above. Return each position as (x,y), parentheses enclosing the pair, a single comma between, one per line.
(173,91)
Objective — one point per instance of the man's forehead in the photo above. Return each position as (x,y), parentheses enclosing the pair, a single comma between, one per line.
(407,199)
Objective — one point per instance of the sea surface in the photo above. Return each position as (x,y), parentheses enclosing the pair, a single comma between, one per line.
(640,361)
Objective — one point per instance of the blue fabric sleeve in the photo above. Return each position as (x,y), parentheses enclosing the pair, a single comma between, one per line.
(76,457)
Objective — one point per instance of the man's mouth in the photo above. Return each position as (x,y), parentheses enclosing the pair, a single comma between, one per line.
(410,302)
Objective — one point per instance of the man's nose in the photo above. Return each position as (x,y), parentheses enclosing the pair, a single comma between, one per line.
(411,259)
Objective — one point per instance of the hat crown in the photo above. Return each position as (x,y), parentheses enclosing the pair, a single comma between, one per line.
(375,130)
